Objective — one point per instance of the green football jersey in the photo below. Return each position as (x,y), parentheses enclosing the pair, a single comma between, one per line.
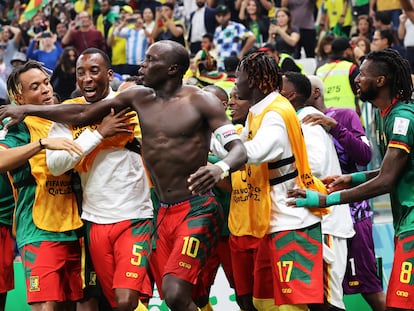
(6,200)
(26,230)
(397,131)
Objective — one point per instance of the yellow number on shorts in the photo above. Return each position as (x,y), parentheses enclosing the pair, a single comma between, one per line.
(283,264)
(136,252)
(191,246)
(406,271)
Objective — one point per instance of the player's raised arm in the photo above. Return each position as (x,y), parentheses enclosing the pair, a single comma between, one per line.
(75,114)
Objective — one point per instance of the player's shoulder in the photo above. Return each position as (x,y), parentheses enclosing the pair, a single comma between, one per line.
(75,100)
(195,93)
(140,88)
(204,101)
(191,90)
(403,109)
(138,91)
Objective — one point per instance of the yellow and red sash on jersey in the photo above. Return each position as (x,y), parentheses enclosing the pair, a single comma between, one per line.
(250,199)
(54,207)
(114,142)
(305,179)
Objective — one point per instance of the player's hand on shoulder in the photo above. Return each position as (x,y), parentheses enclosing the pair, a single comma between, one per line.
(133,96)
(11,115)
(319,119)
(146,94)
(115,123)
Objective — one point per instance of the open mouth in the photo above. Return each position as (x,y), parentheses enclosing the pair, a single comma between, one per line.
(48,101)
(88,92)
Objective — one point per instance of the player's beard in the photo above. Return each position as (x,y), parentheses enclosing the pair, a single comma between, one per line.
(370,93)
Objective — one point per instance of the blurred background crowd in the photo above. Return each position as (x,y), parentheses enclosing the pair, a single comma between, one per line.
(217,33)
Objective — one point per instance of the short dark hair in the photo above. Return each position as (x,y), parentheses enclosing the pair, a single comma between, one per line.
(301,83)
(105,56)
(231,63)
(383,17)
(169,5)
(209,36)
(387,34)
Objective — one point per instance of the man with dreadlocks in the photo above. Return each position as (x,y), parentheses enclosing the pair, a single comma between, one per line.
(277,161)
(385,81)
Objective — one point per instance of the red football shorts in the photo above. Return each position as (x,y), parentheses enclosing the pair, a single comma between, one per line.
(53,271)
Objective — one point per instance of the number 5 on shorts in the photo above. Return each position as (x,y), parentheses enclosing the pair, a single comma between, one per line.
(136,251)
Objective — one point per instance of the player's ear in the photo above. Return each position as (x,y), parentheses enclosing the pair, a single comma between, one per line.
(316,93)
(18,98)
(173,69)
(251,84)
(380,81)
(110,73)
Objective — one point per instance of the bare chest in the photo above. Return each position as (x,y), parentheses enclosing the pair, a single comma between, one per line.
(172,119)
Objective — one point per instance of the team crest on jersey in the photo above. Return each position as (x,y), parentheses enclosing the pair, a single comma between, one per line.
(34,284)
(92,278)
(400,126)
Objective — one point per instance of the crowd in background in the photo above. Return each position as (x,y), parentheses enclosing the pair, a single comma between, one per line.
(211,30)
(78,41)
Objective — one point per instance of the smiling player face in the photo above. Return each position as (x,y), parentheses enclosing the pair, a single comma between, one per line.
(36,88)
(93,77)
